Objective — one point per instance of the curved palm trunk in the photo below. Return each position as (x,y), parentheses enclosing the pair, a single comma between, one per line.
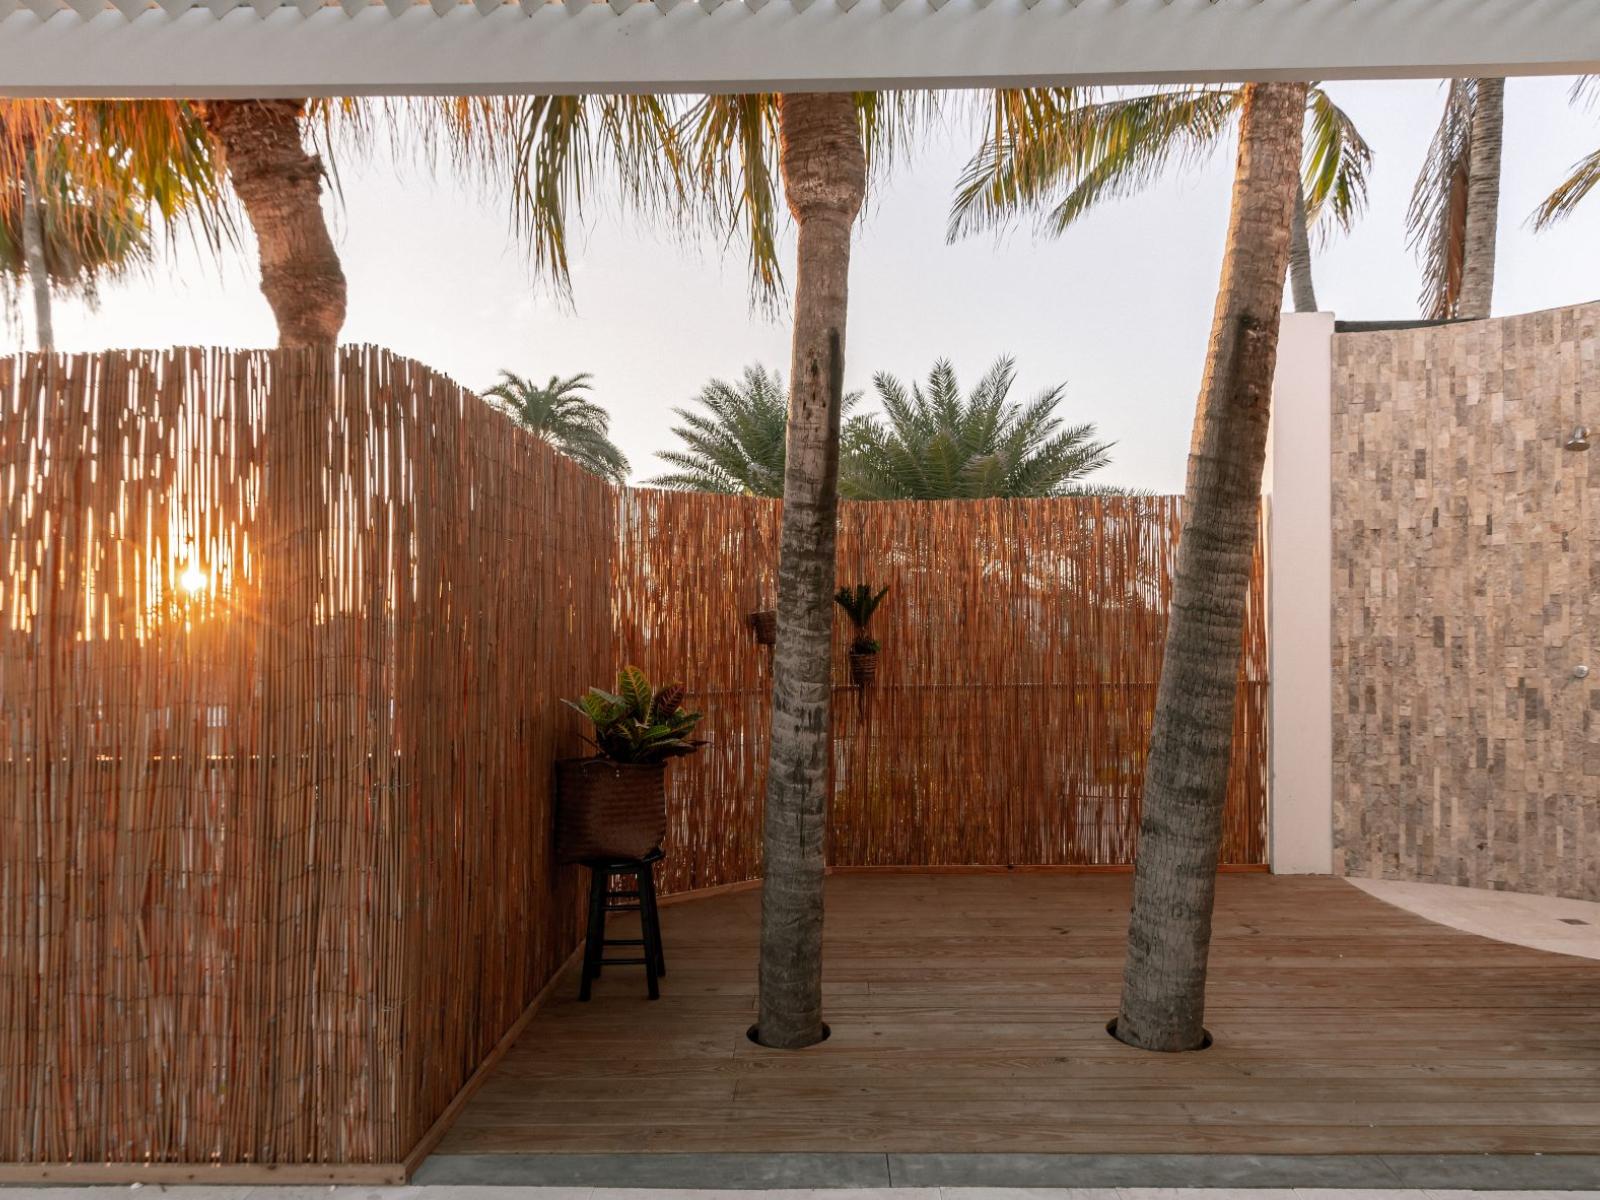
(33,257)
(824,177)
(1180,833)
(280,186)
(1483,199)
(1300,284)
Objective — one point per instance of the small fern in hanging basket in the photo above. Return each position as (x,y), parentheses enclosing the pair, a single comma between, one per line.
(614,805)
(859,603)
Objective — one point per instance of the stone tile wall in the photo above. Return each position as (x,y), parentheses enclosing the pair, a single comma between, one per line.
(1466,590)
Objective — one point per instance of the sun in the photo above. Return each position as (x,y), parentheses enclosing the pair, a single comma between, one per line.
(193,580)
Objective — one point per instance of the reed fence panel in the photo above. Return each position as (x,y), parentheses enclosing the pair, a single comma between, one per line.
(1009,721)
(274,848)
(282,639)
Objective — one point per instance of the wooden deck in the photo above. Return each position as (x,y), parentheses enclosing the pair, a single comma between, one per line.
(968,1014)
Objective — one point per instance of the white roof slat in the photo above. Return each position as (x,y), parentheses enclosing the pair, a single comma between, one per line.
(397,47)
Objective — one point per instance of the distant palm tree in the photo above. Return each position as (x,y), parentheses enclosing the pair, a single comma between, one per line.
(1585,175)
(1453,221)
(562,415)
(935,444)
(63,235)
(736,446)
(81,182)
(1064,151)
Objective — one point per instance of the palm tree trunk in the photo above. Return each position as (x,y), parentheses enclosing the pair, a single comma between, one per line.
(824,177)
(280,186)
(33,256)
(1483,199)
(1180,832)
(1305,292)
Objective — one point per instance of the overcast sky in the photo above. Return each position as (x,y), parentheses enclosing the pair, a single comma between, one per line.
(1119,308)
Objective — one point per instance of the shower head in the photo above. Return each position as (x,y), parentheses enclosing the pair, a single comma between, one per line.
(1579,439)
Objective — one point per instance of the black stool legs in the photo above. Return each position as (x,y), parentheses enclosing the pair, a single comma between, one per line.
(642,899)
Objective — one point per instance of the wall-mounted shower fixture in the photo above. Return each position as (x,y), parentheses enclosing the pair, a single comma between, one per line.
(1581,671)
(1579,439)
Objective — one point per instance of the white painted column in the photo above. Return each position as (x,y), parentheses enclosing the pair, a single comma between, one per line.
(1298,491)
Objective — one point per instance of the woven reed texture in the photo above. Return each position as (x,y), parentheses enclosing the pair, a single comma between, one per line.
(274,860)
(1009,721)
(607,810)
(276,868)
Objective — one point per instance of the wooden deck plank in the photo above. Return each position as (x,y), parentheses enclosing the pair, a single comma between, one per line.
(968,1015)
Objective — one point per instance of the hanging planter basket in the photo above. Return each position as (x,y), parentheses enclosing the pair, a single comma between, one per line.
(765,626)
(863,667)
(607,809)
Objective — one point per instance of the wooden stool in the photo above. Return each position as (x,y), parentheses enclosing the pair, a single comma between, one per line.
(642,900)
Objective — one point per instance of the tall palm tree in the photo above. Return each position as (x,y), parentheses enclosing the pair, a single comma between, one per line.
(822,158)
(1585,174)
(1454,216)
(279,183)
(562,414)
(934,443)
(180,152)
(1063,151)
(182,155)
(1186,776)
(725,162)
(733,444)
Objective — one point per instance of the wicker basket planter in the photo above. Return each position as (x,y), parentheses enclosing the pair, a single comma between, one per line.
(863,667)
(765,626)
(607,809)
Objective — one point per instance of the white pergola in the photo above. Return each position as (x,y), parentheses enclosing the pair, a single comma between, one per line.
(378,47)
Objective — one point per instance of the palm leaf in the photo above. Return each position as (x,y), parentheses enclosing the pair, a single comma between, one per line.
(1063,150)
(1436,222)
(1336,165)
(1585,174)
(934,443)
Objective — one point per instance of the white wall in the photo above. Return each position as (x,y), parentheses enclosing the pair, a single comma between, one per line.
(1298,493)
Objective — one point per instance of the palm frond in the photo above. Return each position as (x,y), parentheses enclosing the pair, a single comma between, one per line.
(560,413)
(1063,150)
(935,443)
(1585,174)
(734,443)
(562,146)
(1337,162)
(1570,193)
(732,159)
(1436,222)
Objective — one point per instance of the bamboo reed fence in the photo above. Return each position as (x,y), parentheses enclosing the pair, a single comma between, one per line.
(1009,721)
(282,637)
(274,864)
